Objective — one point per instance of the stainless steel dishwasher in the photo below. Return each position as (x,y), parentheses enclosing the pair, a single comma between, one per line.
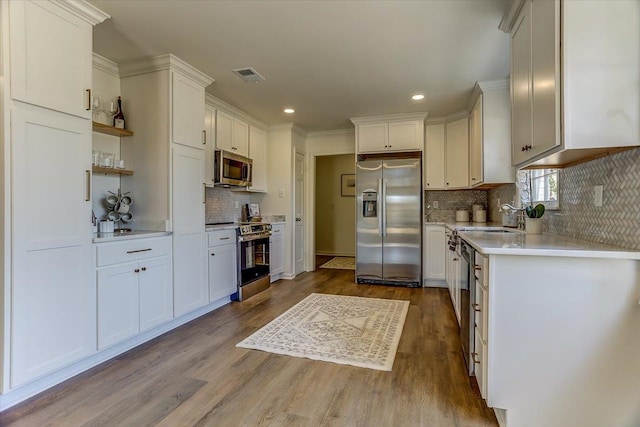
(467,299)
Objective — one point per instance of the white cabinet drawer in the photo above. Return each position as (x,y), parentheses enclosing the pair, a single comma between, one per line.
(221,237)
(480,360)
(481,269)
(480,310)
(277,230)
(132,250)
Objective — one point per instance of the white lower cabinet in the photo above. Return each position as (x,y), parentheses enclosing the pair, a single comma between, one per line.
(481,274)
(434,252)
(223,265)
(133,296)
(276,251)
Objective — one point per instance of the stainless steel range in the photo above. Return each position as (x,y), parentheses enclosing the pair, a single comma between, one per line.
(253,259)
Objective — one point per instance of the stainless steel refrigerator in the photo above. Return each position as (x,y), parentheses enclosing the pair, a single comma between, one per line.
(389,221)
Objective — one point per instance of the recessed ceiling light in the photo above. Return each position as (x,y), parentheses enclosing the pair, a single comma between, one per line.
(417,97)
(289,110)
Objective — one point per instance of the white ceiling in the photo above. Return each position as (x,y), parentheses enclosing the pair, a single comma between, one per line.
(330,60)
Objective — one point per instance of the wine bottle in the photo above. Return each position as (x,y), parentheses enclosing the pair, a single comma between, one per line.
(118,117)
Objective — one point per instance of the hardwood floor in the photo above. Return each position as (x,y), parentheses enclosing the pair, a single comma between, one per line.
(195,376)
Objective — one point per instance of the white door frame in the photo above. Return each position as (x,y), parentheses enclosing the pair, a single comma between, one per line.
(310,193)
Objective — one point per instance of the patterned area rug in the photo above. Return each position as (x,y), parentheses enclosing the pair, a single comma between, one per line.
(356,331)
(341,263)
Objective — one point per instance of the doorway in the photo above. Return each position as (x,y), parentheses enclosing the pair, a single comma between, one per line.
(335,206)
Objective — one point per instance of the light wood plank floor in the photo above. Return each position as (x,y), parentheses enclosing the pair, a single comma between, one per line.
(195,376)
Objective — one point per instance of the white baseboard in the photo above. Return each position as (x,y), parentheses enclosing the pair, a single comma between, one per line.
(32,388)
(430,283)
(501,416)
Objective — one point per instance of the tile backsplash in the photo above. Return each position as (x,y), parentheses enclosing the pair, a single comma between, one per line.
(450,201)
(616,222)
(221,204)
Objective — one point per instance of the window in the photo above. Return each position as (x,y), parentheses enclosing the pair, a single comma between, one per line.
(540,186)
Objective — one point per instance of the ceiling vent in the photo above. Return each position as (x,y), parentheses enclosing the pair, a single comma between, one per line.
(248,74)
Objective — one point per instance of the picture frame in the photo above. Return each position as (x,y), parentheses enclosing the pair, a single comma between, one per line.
(348,185)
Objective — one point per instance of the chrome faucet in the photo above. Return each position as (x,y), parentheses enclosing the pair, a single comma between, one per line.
(507,208)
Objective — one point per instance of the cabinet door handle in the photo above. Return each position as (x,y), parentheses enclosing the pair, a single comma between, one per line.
(138,250)
(204,137)
(204,193)
(88,99)
(477,267)
(456,259)
(87,196)
(476,307)
(137,270)
(213,254)
(473,179)
(144,268)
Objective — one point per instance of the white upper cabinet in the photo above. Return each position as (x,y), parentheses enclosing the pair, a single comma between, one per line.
(447,155)
(398,132)
(232,134)
(434,157)
(210,144)
(489,135)
(187,112)
(258,153)
(574,103)
(373,137)
(51,55)
(457,154)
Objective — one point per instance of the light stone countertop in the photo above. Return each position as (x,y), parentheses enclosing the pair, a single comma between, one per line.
(545,244)
(221,227)
(135,234)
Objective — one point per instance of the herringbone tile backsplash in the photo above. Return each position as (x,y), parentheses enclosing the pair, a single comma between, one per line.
(616,222)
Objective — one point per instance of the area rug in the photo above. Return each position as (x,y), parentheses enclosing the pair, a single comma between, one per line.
(347,330)
(341,263)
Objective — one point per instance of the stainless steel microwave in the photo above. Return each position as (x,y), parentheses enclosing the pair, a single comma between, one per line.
(232,170)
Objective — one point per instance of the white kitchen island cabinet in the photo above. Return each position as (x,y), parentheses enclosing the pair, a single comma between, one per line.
(561,322)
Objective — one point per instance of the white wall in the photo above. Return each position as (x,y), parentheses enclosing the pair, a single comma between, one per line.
(280,176)
(334,213)
(106,85)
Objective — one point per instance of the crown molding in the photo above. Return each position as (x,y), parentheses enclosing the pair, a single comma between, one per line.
(511,10)
(83,10)
(440,120)
(161,63)
(299,131)
(103,64)
(486,86)
(335,132)
(390,118)
(281,127)
(219,104)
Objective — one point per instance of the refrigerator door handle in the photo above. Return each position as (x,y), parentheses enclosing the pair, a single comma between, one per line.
(380,207)
(384,207)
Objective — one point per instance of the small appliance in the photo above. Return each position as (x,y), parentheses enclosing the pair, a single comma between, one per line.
(232,170)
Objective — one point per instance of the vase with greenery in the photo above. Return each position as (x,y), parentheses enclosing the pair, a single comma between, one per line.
(533,223)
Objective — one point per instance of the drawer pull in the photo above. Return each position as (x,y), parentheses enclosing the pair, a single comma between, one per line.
(476,307)
(224,238)
(213,254)
(456,259)
(477,267)
(139,250)
(473,356)
(144,269)
(137,270)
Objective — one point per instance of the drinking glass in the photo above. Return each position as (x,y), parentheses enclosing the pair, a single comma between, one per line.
(96,107)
